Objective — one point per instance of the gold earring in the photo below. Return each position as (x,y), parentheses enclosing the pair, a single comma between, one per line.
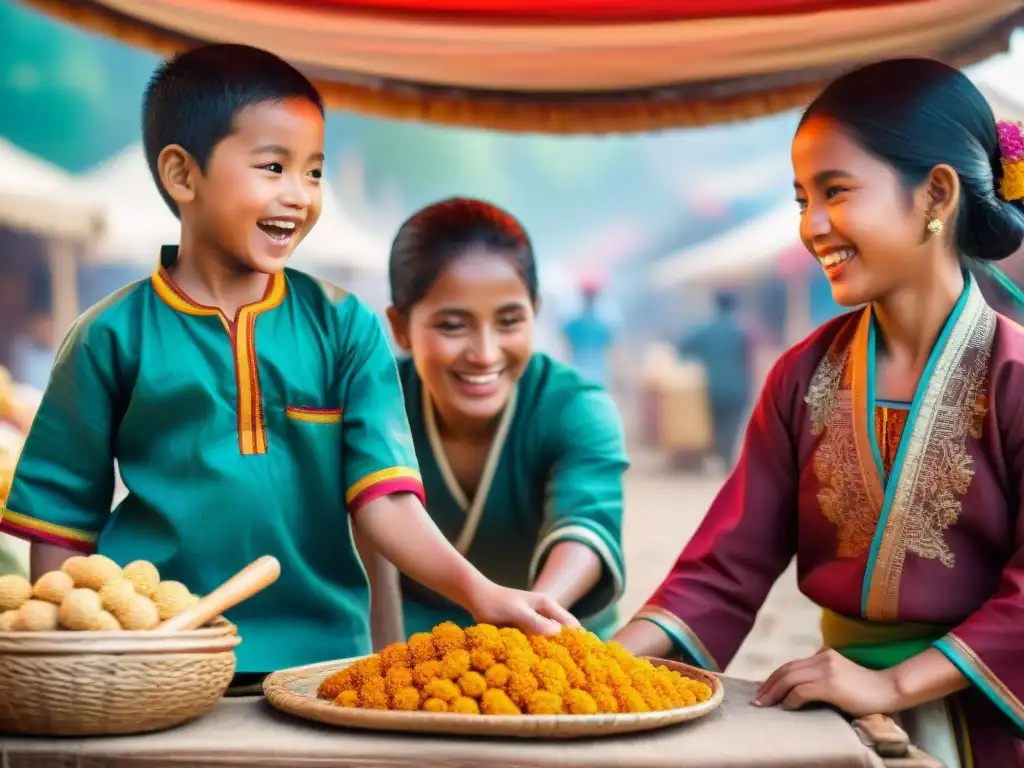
(935,226)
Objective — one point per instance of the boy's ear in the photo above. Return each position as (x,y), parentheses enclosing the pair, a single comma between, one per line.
(177,171)
(399,329)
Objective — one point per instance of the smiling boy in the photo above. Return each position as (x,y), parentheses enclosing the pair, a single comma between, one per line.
(247,405)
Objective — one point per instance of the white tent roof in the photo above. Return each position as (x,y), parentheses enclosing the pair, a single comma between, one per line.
(752,248)
(42,198)
(138,221)
(338,240)
(737,254)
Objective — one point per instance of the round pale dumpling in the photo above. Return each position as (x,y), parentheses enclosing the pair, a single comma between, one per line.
(37,616)
(80,610)
(93,572)
(7,619)
(107,623)
(115,597)
(143,576)
(140,613)
(171,598)
(102,571)
(53,587)
(15,591)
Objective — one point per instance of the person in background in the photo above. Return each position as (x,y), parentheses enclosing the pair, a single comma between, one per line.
(887,449)
(590,338)
(251,409)
(723,346)
(33,352)
(522,458)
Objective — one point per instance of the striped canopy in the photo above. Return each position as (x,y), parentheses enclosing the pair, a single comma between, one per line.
(565,66)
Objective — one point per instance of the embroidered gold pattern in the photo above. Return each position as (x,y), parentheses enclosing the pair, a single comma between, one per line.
(946,464)
(938,468)
(842,495)
(824,387)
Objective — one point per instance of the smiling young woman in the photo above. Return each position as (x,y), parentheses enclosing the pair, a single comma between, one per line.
(522,460)
(887,450)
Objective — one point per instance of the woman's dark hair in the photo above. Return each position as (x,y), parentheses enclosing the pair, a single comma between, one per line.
(916,114)
(435,236)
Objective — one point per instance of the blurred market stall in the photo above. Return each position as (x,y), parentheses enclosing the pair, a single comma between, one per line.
(565,66)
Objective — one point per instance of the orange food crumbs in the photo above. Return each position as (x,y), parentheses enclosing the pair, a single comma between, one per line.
(497,676)
(544,703)
(347,699)
(466,706)
(407,699)
(497,703)
(551,676)
(579,702)
(421,648)
(448,637)
(455,664)
(482,660)
(484,670)
(395,655)
(426,671)
(435,705)
(445,690)
(605,698)
(521,685)
(373,695)
(396,679)
(473,685)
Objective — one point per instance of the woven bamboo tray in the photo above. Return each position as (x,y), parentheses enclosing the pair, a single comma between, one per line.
(294,691)
(112,683)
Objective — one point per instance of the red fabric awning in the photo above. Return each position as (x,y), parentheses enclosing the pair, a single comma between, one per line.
(590,10)
(589,66)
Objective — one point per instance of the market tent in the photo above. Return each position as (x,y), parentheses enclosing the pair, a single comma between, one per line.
(738,254)
(338,240)
(41,198)
(44,200)
(138,221)
(592,66)
(770,243)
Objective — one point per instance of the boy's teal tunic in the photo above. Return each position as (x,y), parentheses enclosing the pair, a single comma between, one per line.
(235,439)
(554,474)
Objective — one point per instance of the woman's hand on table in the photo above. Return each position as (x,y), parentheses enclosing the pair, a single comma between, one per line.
(531,612)
(830,678)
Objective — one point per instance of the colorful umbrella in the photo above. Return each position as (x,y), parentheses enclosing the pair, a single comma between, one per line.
(564,66)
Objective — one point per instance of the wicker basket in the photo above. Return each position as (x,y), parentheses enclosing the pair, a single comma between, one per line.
(107,683)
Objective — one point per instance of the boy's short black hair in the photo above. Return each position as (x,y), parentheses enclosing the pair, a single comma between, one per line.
(193,98)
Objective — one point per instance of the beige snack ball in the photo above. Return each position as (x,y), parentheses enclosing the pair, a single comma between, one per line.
(53,587)
(171,598)
(37,616)
(140,613)
(77,568)
(7,619)
(116,597)
(107,623)
(101,572)
(14,592)
(143,576)
(80,610)
(93,572)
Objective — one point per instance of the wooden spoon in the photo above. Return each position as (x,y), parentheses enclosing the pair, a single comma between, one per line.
(256,576)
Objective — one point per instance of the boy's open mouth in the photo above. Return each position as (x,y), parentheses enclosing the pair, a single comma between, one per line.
(278,230)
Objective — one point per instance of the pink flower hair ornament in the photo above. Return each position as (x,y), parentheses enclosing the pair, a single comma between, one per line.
(1011,150)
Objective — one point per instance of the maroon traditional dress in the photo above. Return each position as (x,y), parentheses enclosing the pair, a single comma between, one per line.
(904,518)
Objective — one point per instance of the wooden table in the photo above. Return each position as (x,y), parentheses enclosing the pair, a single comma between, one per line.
(249,733)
